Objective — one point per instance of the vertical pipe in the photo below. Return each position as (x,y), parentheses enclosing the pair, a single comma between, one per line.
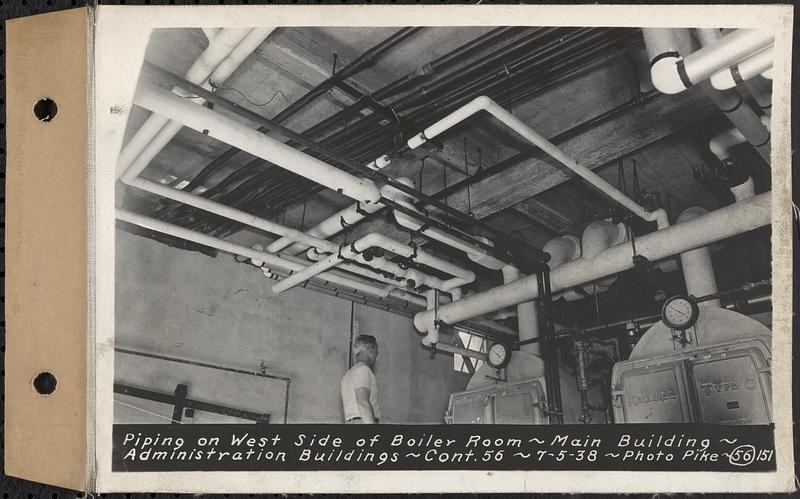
(698,271)
(527,315)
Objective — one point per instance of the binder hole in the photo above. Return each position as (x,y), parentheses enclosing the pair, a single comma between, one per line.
(45,383)
(45,110)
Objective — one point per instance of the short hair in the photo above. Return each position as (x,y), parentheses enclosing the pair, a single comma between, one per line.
(364,341)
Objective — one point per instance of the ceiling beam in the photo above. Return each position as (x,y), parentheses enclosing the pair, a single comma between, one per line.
(635,129)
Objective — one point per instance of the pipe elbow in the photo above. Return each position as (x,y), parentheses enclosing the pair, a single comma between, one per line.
(600,235)
(661,218)
(482,103)
(665,74)
(422,323)
(562,250)
(721,143)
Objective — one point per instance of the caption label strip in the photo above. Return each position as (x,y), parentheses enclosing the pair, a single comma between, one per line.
(633,447)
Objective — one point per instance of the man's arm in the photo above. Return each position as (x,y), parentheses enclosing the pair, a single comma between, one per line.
(364,406)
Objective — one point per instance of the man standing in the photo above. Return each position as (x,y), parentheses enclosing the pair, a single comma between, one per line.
(359,388)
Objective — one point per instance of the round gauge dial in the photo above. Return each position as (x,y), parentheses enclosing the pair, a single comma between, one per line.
(680,312)
(498,355)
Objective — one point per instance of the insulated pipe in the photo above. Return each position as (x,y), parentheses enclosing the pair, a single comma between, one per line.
(333,224)
(219,244)
(761,91)
(254,142)
(464,352)
(355,250)
(211,32)
(247,46)
(484,103)
(744,190)
(671,73)
(265,225)
(598,236)
(698,270)
(720,224)
(527,315)
(217,50)
(748,68)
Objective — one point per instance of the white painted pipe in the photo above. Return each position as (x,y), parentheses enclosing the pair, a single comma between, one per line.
(698,270)
(767,74)
(222,72)
(219,244)
(211,32)
(744,190)
(527,315)
(354,251)
(431,306)
(333,224)
(721,144)
(720,224)
(672,73)
(562,250)
(597,237)
(484,103)
(266,225)
(250,140)
(748,68)
(218,49)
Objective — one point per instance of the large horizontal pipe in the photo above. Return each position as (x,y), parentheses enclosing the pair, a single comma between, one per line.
(486,104)
(701,231)
(247,139)
(217,50)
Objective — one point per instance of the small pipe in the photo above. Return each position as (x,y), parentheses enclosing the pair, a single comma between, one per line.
(466,352)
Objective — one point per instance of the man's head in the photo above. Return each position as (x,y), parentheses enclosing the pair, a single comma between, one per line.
(365,349)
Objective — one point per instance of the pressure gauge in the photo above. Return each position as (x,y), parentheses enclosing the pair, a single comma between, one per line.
(680,312)
(498,355)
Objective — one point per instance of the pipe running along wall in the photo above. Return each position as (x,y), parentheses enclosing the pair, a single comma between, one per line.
(701,231)
(484,103)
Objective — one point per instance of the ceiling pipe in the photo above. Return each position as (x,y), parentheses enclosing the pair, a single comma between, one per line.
(720,224)
(266,225)
(743,71)
(673,73)
(247,139)
(698,270)
(217,51)
(243,251)
(332,225)
(211,32)
(357,249)
(761,91)
(484,103)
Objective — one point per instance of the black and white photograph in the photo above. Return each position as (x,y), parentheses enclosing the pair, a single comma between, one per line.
(490,224)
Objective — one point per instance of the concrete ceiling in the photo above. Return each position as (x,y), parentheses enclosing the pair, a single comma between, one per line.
(665,136)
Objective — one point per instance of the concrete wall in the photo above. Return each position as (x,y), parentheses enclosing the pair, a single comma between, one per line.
(188,305)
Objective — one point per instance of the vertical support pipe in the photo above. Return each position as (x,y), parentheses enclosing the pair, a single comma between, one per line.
(698,271)
(527,315)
